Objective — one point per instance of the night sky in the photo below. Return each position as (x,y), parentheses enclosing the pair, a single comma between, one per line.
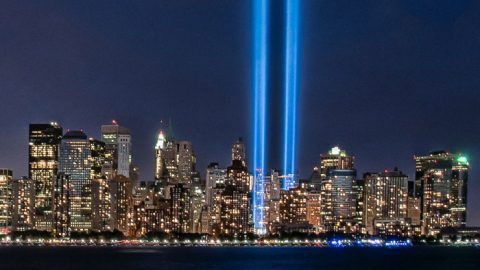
(383,79)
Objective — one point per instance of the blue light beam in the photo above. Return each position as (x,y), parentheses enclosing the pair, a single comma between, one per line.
(290,94)
(260,76)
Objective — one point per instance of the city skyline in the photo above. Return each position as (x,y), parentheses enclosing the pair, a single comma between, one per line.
(376,85)
(334,197)
(203,171)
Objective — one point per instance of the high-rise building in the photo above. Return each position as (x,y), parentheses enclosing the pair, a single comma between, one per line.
(180,208)
(44,141)
(414,211)
(359,190)
(238,176)
(441,183)
(97,156)
(186,162)
(386,201)
(337,191)
(197,201)
(226,190)
(338,200)
(315,180)
(101,204)
(271,201)
(213,226)
(335,159)
(160,159)
(118,148)
(5,201)
(134,174)
(458,201)
(101,175)
(214,177)
(75,162)
(121,200)
(23,193)
(234,212)
(205,227)
(151,214)
(169,155)
(238,151)
(293,210)
(228,204)
(314,209)
(62,207)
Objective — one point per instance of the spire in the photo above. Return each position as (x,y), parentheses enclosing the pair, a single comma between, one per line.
(169,132)
(160,141)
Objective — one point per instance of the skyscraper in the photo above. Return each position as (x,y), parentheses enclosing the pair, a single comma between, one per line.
(180,208)
(186,162)
(5,201)
(293,210)
(160,159)
(238,176)
(238,151)
(237,173)
(336,158)
(271,201)
(441,182)
(62,207)
(337,192)
(339,200)
(75,163)
(315,179)
(23,193)
(234,212)
(313,209)
(118,147)
(97,156)
(120,188)
(197,201)
(169,155)
(101,204)
(44,141)
(214,176)
(386,201)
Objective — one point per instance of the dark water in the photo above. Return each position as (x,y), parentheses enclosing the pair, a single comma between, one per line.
(230,258)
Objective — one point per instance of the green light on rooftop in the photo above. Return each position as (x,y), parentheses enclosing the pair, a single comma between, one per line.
(462,160)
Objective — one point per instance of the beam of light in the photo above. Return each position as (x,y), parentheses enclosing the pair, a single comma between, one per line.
(260,44)
(290,94)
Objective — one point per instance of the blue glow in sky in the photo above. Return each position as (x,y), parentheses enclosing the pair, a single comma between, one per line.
(290,95)
(260,60)
(361,63)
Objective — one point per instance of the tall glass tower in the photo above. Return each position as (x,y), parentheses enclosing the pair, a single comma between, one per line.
(44,140)
(75,162)
(118,146)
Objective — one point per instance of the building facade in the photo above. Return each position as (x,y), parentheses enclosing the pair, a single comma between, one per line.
(44,141)
(6,176)
(386,201)
(62,207)
(23,204)
(214,176)
(75,163)
(441,184)
(118,149)
(186,162)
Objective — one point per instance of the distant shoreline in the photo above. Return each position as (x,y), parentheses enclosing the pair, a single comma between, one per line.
(155,244)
